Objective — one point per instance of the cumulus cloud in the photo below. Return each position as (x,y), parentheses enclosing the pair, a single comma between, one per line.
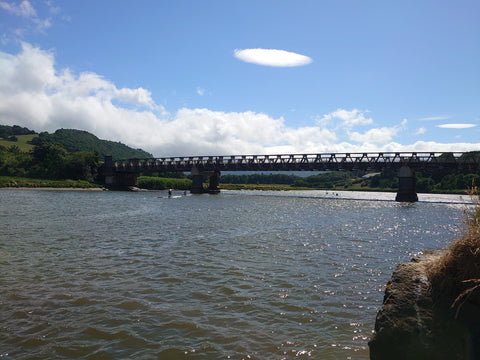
(378,136)
(35,94)
(345,118)
(272,57)
(456,126)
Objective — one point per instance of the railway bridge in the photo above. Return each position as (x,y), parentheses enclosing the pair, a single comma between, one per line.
(121,174)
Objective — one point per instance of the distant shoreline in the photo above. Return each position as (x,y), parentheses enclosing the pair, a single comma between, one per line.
(52,188)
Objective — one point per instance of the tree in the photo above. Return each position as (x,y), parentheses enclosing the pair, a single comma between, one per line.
(49,161)
(82,165)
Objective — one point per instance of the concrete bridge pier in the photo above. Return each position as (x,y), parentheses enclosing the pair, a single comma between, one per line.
(197,181)
(406,185)
(214,184)
(115,180)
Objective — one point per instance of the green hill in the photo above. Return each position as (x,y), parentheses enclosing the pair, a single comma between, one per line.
(79,140)
(72,140)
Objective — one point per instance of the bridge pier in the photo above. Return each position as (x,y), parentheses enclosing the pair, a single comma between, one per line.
(214,184)
(406,185)
(197,182)
(115,180)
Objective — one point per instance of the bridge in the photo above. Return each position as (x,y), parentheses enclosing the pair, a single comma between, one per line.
(123,173)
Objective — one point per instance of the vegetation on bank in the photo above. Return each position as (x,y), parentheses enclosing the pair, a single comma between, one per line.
(161,183)
(19,182)
(441,181)
(66,158)
(456,276)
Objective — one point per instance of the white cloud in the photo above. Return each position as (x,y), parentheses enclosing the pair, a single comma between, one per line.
(374,136)
(200,91)
(345,118)
(272,57)
(33,93)
(435,118)
(378,136)
(456,126)
(421,131)
(23,9)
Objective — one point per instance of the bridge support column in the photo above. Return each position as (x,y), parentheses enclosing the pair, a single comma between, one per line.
(197,184)
(117,180)
(406,185)
(213,187)
(197,181)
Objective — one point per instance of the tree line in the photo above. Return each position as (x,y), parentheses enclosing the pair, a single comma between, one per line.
(50,161)
(426,182)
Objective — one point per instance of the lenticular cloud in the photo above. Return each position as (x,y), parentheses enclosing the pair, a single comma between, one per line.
(272,57)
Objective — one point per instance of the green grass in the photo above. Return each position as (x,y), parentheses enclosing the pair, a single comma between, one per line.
(22,142)
(159,183)
(18,182)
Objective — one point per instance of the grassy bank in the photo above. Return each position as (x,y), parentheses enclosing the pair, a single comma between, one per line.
(456,276)
(19,182)
(159,183)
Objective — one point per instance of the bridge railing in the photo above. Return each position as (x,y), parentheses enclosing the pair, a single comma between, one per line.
(319,162)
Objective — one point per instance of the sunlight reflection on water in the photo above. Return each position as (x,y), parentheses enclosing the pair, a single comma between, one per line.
(268,275)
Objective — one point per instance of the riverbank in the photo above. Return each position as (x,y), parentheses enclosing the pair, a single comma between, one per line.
(146,183)
(8,182)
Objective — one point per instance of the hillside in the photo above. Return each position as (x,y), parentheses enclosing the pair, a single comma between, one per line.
(70,139)
(23,142)
(78,140)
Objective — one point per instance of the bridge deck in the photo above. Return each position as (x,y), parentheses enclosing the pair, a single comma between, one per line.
(466,162)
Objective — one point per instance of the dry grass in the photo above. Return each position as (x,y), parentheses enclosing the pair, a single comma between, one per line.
(458,271)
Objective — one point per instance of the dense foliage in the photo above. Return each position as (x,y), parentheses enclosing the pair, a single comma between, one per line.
(387,180)
(7,132)
(66,154)
(50,161)
(78,140)
(158,183)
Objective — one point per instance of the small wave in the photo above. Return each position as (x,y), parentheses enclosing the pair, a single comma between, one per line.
(83,301)
(172,354)
(130,305)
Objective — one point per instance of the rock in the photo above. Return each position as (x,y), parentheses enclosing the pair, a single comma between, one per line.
(409,325)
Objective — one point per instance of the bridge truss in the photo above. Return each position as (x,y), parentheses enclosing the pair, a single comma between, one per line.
(418,161)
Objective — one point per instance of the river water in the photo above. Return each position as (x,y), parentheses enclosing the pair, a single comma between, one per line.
(240,275)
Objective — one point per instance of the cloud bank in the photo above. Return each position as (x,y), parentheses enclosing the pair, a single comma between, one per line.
(34,94)
(272,57)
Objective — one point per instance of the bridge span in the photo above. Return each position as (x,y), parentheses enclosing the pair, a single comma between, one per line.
(123,173)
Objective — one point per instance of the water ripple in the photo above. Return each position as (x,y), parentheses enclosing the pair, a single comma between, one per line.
(278,276)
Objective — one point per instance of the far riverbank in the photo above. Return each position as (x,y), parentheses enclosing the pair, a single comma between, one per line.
(7,182)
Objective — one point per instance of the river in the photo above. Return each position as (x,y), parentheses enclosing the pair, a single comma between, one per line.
(239,275)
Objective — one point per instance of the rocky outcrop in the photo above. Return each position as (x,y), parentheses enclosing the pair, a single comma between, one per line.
(410,325)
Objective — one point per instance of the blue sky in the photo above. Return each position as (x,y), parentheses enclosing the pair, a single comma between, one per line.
(246,77)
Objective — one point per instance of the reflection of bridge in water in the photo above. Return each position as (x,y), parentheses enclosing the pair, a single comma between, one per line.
(123,173)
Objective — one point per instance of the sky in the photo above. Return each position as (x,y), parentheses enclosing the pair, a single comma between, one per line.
(189,77)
